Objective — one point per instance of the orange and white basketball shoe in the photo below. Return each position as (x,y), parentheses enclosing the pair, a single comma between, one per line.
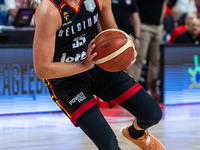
(146,142)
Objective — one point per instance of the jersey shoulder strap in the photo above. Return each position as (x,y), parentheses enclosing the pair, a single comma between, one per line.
(56,3)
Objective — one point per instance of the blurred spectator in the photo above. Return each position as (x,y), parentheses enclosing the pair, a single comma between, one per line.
(170,5)
(197,2)
(191,35)
(177,31)
(151,13)
(12,6)
(172,21)
(186,6)
(127,18)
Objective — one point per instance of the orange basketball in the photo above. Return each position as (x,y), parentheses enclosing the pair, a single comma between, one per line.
(115,50)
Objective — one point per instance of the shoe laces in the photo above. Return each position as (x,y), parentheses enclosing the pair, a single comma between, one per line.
(147,137)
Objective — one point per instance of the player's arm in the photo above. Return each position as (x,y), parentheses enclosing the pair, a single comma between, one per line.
(98,26)
(106,18)
(48,21)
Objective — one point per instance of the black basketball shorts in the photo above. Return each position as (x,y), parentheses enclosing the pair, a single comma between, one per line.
(75,94)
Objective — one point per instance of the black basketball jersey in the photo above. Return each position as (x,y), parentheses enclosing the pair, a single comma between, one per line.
(78,29)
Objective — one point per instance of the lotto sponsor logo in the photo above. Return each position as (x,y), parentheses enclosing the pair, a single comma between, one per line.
(78,98)
(78,57)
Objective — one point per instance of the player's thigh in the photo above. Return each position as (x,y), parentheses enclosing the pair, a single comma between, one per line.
(114,87)
(75,101)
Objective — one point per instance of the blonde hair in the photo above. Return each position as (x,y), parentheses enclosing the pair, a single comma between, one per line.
(33,2)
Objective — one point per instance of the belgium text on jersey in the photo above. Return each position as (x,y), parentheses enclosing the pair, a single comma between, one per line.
(71,30)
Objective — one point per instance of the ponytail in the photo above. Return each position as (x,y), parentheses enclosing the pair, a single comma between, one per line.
(32,3)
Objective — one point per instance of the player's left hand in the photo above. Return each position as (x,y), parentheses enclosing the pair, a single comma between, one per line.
(134,58)
(89,61)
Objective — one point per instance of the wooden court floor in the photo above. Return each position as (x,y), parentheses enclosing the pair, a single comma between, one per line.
(178,130)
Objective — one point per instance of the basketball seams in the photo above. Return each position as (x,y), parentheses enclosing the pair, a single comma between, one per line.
(116,53)
(123,66)
(114,30)
(109,40)
(99,44)
(126,36)
(115,48)
(118,30)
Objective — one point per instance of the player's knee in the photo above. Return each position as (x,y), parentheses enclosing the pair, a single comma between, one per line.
(155,116)
(152,117)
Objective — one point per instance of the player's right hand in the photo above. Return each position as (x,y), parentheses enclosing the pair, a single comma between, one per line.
(89,62)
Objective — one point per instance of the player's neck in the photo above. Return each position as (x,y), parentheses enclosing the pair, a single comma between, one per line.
(73,3)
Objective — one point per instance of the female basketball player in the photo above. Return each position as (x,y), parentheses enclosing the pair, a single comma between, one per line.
(62,52)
